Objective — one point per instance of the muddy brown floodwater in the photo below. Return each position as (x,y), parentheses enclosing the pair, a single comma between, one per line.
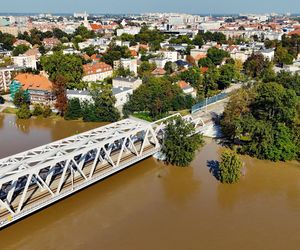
(151,206)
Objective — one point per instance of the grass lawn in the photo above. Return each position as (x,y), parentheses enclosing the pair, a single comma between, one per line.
(9,110)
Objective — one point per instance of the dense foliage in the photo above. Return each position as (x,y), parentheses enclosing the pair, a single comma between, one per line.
(23,112)
(265,119)
(68,66)
(230,167)
(180,142)
(157,96)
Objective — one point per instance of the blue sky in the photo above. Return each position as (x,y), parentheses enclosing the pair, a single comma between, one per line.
(138,6)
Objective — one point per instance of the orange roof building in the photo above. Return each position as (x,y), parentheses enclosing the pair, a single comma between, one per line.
(96,71)
(34,82)
(39,87)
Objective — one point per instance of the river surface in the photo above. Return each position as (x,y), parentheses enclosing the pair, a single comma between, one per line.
(152,206)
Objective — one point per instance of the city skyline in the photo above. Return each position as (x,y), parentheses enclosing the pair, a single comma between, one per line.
(142,6)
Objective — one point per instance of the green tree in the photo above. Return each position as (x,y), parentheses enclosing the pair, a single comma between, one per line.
(104,102)
(227,75)
(255,65)
(282,56)
(21,97)
(217,55)
(230,167)
(198,40)
(90,50)
(170,67)
(180,142)
(205,62)
(20,49)
(7,40)
(274,103)
(47,111)
(68,66)
(23,112)
(74,111)
(37,110)
(83,32)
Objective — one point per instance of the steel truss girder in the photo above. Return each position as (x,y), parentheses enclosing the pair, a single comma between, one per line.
(73,158)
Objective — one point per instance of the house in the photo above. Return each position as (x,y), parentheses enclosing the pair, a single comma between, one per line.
(268,53)
(25,61)
(96,71)
(159,62)
(50,43)
(186,88)
(127,82)
(158,72)
(82,95)
(122,95)
(22,42)
(171,56)
(33,52)
(132,30)
(39,87)
(127,63)
(6,76)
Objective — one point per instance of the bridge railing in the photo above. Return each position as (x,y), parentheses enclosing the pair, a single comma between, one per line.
(197,107)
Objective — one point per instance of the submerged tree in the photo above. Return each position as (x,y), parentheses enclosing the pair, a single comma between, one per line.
(180,142)
(230,167)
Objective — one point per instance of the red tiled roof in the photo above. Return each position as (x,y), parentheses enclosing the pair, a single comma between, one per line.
(203,70)
(183,84)
(158,71)
(94,68)
(133,53)
(31,81)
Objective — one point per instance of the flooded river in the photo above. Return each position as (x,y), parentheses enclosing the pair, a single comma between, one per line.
(151,206)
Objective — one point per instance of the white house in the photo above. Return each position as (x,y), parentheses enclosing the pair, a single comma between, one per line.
(171,56)
(132,30)
(160,62)
(82,95)
(25,61)
(127,82)
(127,63)
(122,95)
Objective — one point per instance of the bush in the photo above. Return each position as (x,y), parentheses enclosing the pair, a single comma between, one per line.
(73,110)
(24,112)
(230,167)
(47,111)
(37,110)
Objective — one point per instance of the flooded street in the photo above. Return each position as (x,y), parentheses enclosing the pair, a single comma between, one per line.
(153,206)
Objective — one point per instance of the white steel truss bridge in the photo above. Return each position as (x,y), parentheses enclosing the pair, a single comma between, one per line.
(41,176)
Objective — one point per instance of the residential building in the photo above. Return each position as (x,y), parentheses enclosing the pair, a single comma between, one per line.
(39,87)
(82,95)
(187,89)
(127,82)
(6,75)
(127,63)
(122,95)
(132,30)
(25,61)
(50,43)
(160,62)
(97,71)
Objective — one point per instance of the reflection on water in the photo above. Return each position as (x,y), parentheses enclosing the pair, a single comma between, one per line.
(151,206)
(19,135)
(179,184)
